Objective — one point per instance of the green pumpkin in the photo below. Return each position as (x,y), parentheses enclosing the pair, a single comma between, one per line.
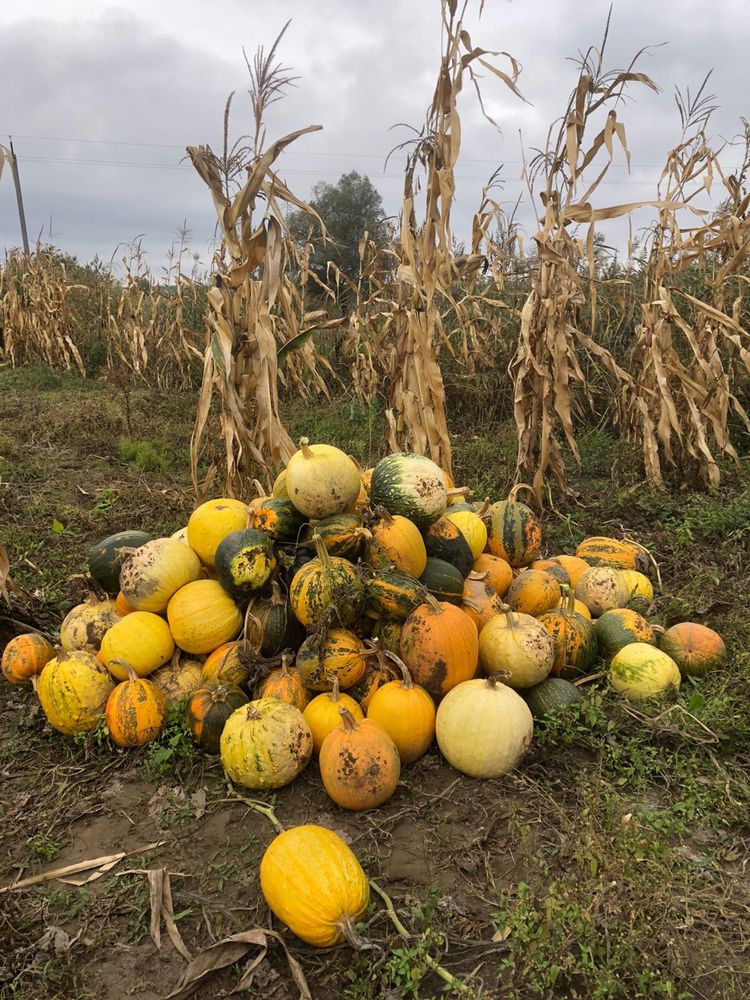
(107,556)
(343,535)
(551,696)
(207,711)
(443,540)
(410,485)
(244,561)
(394,595)
(619,627)
(443,581)
(278,518)
(514,532)
(274,627)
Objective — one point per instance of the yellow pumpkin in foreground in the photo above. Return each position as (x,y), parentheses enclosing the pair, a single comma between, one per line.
(314,884)
(640,671)
(321,480)
(210,524)
(142,639)
(73,690)
(265,744)
(202,616)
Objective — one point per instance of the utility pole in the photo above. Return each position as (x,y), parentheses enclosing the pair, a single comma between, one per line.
(19,198)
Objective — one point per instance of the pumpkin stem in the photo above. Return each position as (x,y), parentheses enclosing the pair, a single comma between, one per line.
(458,491)
(508,612)
(304,444)
(59,652)
(432,603)
(498,677)
(657,629)
(406,682)
(286,659)
(252,713)
(348,721)
(478,576)
(174,663)
(570,598)
(347,928)
(259,489)
(471,604)
(482,511)
(320,550)
(517,487)
(334,694)
(132,675)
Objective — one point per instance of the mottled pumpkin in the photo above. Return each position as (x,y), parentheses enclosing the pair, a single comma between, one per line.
(225,666)
(272,626)
(142,639)
(410,485)
(407,713)
(73,689)
(479,600)
(207,711)
(554,568)
(244,562)
(314,884)
(613,552)
(178,678)
(514,532)
(574,638)
(601,589)
(439,645)
(326,582)
(640,671)
(517,647)
(444,540)
(210,523)
(573,566)
(321,480)
(86,624)
(640,588)
(500,572)
(533,592)
(25,656)
(378,672)
(202,616)
(276,517)
(397,542)
(387,632)
(107,556)
(136,710)
(155,571)
(322,714)
(343,535)
(618,628)
(359,764)
(286,684)
(336,653)
(696,649)
(393,595)
(265,744)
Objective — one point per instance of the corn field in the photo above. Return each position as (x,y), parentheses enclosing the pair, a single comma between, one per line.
(548,337)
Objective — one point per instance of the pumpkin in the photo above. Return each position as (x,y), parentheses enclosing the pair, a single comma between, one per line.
(321,480)
(142,639)
(573,566)
(178,678)
(612,552)
(551,696)
(225,666)
(578,606)
(25,656)
(472,527)
(322,714)
(202,616)
(695,648)
(553,568)
(155,571)
(409,485)
(500,572)
(514,532)
(122,606)
(393,595)
(397,541)
(640,671)
(517,647)
(443,540)
(533,592)
(479,601)
(483,728)
(244,561)
(136,710)
(265,744)
(278,518)
(279,486)
(387,633)
(180,535)
(326,582)
(207,711)
(601,589)
(343,535)
(86,624)
(73,689)
(406,712)
(618,628)
(336,653)
(286,684)
(314,884)
(574,638)
(378,671)
(443,581)
(359,764)
(439,645)
(107,556)
(274,627)
(210,523)
(640,588)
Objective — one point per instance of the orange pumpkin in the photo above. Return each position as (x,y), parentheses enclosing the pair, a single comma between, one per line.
(500,572)
(440,646)
(337,653)
(533,592)
(224,666)
(695,648)
(286,684)
(136,710)
(573,565)
(397,541)
(25,656)
(479,600)
(122,606)
(554,568)
(359,764)
(407,713)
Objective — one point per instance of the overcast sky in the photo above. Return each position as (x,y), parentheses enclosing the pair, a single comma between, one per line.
(101,98)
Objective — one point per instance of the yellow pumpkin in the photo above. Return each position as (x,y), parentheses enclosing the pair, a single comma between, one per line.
(178,678)
(180,535)
(73,690)
(154,572)
(640,588)
(314,884)
(613,552)
(225,666)
(472,527)
(86,624)
(397,541)
(640,671)
(322,714)
(338,653)
(321,480)
(406,712)
(202,616)
(210,524)
(265,744)
(533,592)
(142,639)
(517,647)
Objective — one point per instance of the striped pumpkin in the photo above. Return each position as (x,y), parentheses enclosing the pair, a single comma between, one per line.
(514,532)
(394,595)
(574,638)
(337,654)
(25,656)
(207,712)
(613,552)
(326,582)
(444,540)
(73,689)
(618,628)
(136,711)
(276,517)
(410,485)
(265,744)
(286,684)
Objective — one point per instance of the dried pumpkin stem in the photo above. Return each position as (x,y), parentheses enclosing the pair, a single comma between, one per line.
(334,695)
(304,444)
(520,486)
(458,491)
(320,550)
(132,675)
(347,719)
(355,939)
(260,807)
(471,604)
(406,682)
(482,511)
(433,604)
(508,612)
(455,984)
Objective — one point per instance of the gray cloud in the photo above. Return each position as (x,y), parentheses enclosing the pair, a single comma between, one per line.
(160,76)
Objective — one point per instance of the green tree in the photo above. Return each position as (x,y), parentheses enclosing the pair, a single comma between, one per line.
(348,209)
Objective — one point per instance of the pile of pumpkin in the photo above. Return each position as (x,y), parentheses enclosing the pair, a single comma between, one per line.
(357,616)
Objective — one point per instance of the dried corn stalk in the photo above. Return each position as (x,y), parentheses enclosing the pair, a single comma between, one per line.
(689,349)
(546,368)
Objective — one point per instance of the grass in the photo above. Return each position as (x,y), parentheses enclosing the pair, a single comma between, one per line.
(613,863)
